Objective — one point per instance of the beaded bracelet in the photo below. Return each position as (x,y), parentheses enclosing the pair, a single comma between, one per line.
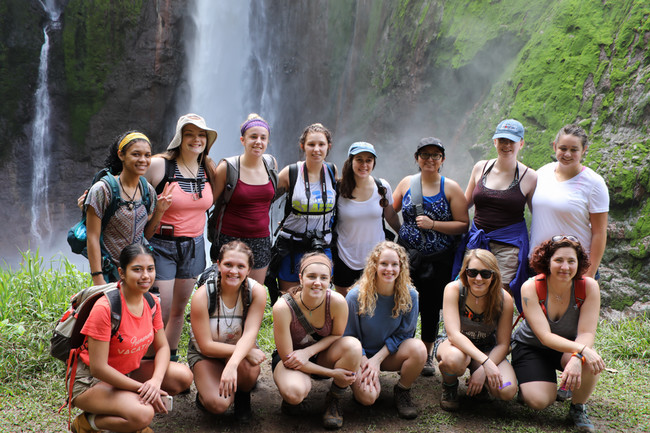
(580,356)
(94,274)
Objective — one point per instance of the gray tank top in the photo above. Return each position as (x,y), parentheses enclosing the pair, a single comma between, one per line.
(566,326)
(473,326)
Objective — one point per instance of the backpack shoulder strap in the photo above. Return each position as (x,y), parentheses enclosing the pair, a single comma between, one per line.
(293,178)
(462,294)
(144,190)
(114,188)
(169,176)
(301,317)
(115,302)
(271,166)
(541,289)
(331,171)
(232,176)
(416,189)
(211,290)
(580,291)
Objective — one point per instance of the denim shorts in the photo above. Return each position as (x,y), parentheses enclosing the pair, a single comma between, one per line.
(289,273)
(180,258)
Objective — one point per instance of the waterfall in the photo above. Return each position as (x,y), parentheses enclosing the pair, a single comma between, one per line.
(41,224)
(218,58)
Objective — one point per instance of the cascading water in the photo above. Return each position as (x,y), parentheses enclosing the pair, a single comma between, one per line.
(41,225)
(217,69)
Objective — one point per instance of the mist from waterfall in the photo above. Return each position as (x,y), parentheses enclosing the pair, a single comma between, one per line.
(41,224)
(218,57)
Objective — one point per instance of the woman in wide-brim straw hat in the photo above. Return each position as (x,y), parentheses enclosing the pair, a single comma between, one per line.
(178,241)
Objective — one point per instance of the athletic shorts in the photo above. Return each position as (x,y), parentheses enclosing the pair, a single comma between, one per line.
(183,258)
(194,356)
(535,364)
(343,275)
(508,259)
(275,360)
(83,381)
(261,248)
(287,273)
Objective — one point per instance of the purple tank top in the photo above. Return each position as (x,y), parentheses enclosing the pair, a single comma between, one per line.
(299,336)
(495,208)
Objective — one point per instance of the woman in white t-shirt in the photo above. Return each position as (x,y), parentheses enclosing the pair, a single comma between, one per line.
(571,199)
(362,205)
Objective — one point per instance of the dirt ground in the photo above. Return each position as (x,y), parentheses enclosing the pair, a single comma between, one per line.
(479,416)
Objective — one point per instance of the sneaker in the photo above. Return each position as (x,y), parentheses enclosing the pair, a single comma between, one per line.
(578,413)
(333,416)
(449,397)
(563,394)
(243,407)
(405,407)
(81,425)
(428,369)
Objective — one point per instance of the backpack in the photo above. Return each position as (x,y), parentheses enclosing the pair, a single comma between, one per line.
(215,216)
(209,278)
(77,235)
(579,293)
(170,176)
(68,342)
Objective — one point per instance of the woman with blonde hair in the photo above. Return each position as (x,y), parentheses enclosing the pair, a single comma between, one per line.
(383,316)
(477,314)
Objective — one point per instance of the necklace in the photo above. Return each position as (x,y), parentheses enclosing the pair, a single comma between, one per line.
(476,298)
(232,315)
(195,193)
(131,201)
(311,309)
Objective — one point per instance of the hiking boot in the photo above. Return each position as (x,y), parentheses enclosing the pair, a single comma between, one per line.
(563,394)
(243,407)
(428,369)
(405,407)
(291,409)
(145,430)
(199,404)
(449,397)
(578,413)
(333,416)
(81,425)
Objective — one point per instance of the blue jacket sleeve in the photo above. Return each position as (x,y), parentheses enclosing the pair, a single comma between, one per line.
(407,325)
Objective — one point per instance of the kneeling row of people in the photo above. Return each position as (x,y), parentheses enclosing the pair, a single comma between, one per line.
(319,333)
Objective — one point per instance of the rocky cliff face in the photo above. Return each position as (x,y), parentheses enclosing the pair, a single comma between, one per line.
(387,72)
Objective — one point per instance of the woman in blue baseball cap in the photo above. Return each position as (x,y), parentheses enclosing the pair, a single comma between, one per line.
(363,204)
(499,190)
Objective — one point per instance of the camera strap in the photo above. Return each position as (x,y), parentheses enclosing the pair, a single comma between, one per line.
(323,188)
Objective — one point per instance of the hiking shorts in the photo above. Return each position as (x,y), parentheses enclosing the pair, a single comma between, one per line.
(535,364)
(83,381)
(344,276)
(261,248)
(508,259)
(178,258)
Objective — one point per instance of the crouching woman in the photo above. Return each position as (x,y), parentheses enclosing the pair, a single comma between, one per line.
(308,326)
(114,386)
(383,316)
(226,315)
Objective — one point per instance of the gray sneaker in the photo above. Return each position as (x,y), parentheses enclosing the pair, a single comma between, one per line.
(449,397)
(428,369)
(578,413)
(405,407)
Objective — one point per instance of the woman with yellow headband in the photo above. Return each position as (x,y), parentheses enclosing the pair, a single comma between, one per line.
(308,326)
(132,222)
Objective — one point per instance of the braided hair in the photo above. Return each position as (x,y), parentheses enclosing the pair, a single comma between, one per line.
(244,289)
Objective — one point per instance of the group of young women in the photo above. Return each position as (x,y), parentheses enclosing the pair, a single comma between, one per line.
(334,230)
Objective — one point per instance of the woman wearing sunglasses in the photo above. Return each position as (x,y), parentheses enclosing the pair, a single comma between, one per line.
(561,306)
(363,203)
(477,314)
(434,210)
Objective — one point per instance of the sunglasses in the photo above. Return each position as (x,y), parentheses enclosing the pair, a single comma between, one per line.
(559,238)
(485,273)
(434,156)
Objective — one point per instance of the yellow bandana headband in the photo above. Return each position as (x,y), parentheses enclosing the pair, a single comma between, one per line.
(130,137)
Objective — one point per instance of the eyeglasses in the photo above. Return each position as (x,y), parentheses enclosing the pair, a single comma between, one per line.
(559,238)
(485,273)
(434,156)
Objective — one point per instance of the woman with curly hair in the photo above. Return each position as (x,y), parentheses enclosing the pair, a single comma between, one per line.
(383,316)
(561,306)
(477,312)
(226,315)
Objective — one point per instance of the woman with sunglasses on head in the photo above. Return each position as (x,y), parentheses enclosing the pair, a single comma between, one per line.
(561,307)
(477,313)
(571,198)
(114,386)
(226,314)
(362,205)
(384,316)
(434,210)
(178,244)
(138,212)
(308,326)
(310,205)
(499,190)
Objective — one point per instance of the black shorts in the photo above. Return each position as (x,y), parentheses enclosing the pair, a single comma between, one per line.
(343,275)
(535,364)
(275,359)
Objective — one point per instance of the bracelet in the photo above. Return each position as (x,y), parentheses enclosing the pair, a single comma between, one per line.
(94,274)
(486,360)
(580,356)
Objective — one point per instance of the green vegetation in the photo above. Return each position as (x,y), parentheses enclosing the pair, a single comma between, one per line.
(34,296)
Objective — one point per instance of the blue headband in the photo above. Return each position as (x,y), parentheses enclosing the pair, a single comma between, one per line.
(254,122)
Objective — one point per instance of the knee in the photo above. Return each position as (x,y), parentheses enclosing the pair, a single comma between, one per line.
(507,393)
(364,398)
(181,378)
(453,362)
(351,350)
(247,375)
(293,393)
(416,350)
(537,401)
(140,416)
(215,404)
